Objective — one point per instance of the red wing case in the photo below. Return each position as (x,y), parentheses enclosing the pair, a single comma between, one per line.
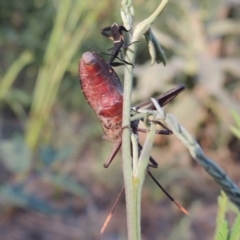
(103,91)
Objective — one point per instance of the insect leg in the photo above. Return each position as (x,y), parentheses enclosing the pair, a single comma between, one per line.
(168,195)
(166,130)
(162,132)
(130,44)
(123,62)
(116,64)
(115,150)
(111,213)
(121,58)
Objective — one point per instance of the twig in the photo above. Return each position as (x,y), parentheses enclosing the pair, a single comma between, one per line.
(229,187)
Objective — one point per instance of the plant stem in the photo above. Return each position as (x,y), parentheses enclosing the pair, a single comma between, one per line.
(133,186)
(126,158)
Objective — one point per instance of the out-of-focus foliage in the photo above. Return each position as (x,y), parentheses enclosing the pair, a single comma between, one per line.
(70,27)
(11,74)
(51,151)
(236,129)
(222,227)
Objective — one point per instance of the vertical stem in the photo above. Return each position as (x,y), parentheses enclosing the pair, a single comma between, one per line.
(126,157)
(132,186)
(133,222)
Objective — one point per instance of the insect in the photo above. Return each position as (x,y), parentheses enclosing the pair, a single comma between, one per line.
(103,91)
(115,33)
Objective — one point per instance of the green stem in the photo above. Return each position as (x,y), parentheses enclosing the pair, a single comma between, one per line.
(143,26)
(160,8)
(132,221)
(139,176)
(126,158)
(145,154)
(133,186)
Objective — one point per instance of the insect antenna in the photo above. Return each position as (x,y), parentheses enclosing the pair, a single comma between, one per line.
(111,213)
(169,196)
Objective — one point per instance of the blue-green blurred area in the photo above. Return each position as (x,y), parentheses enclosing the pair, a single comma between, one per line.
(52,182)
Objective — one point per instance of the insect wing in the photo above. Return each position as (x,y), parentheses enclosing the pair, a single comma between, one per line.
(163,99)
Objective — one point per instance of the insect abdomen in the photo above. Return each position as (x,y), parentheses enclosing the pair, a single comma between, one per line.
(103,91)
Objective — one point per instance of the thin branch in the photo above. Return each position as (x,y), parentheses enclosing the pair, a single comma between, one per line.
(211,167)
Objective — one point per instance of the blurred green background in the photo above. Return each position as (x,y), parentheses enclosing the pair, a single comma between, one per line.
(52,182)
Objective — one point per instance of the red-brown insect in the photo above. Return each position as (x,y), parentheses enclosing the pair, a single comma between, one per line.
(103,91)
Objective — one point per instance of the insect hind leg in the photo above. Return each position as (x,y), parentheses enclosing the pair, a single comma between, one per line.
(123,61)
